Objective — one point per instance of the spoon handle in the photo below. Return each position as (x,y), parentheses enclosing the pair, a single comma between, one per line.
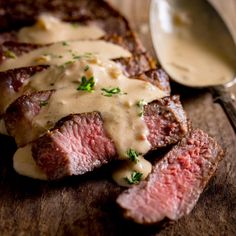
(227,102)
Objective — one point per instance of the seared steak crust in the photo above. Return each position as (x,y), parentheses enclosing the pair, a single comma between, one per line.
(17,14)
(19,111)
(165,119)
(176,182)
(12,80)
(71,139)
(19,116)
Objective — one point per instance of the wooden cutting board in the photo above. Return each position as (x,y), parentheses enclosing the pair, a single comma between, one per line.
(86,205)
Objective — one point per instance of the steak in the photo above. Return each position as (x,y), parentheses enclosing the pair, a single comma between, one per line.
(11,82)
(19,115)
(165,119)
(17,14)
(70,149)
(137,64)
(176,182)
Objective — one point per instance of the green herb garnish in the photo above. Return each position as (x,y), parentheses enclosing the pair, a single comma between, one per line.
(76,57)
(86,68)
(75,25)
(133,155)
(88,54)
(111,92)
(135,178)
(141,105)
(86,84)
(65,43)
(9,54)
(66,64)
(43,103)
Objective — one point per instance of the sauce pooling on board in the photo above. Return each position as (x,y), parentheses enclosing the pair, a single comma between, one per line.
(83,71)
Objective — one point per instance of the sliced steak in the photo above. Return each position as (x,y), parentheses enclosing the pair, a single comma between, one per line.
(165,119)
(77,145)
(17,13)
(137,64)
(16,48)
(176,182)
(156,77)
(11,82)
(19,116)
(70,149)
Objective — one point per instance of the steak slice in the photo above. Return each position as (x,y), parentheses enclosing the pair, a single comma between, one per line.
(19,116)
(137,64)
(16,13)
(78,143)
(165,119)
(11,82)
(176,182)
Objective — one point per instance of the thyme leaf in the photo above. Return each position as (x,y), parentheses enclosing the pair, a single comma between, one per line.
(64,43)
(110,92)
(66,64)
(76,57)
(9,54)
(86,68)
(133,155)
(134,178)
(86,84)
(75,24)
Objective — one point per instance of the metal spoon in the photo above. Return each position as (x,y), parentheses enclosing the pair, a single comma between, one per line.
(206,38)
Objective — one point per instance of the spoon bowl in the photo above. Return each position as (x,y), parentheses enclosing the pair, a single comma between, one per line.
(195,47)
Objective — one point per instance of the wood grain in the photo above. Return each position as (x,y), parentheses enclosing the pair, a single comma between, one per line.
(86,205)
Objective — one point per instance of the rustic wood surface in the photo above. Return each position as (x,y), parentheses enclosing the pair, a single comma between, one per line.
(86,205)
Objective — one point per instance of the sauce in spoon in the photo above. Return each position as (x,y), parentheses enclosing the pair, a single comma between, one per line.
(192,42)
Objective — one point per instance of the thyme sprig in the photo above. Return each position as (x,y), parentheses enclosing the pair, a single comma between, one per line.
(134,178)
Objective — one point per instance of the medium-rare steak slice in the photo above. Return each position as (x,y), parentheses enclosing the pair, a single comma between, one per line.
(165,119)
(77,145)
(73,147)
(176,182)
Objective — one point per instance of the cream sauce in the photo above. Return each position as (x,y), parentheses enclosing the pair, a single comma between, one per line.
(49,29)
(193,45)
(24,164)
(68,61)
(119,112)
(127,168)
(58,53)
